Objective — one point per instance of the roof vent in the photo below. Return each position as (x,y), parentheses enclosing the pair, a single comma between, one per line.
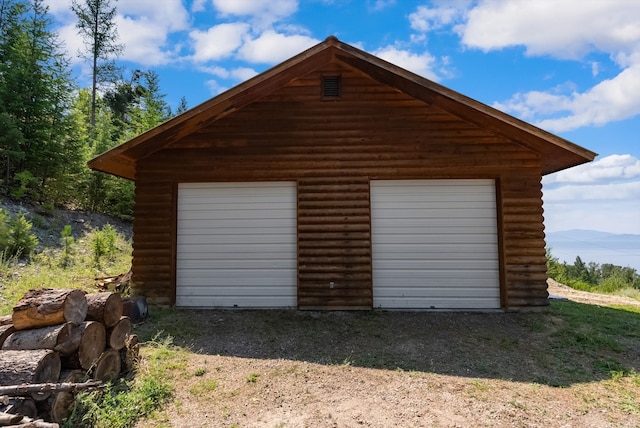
(331,87)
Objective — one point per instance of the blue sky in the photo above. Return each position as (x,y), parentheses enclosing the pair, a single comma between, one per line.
(572,68)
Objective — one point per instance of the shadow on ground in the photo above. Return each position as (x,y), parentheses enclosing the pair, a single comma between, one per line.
(569,343)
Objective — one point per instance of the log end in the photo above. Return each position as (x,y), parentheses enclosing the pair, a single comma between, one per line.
(108,366)
(48,370)
(75,307)
(104,307)
(92,343)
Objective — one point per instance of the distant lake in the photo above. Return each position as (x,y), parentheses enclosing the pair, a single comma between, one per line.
(593,246)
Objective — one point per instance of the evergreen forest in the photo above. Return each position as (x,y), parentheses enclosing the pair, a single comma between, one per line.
(50,126)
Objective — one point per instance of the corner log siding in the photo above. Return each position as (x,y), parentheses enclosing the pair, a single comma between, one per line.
(333,149)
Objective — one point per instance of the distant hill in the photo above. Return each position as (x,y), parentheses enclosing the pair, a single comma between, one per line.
(593,246)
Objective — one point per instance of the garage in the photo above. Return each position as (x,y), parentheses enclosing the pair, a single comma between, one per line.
(434,244)
(407,194)
(236,245)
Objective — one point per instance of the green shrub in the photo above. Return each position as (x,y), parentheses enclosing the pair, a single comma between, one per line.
(4,231)
(66,237)
(104,244)
(21,241)
(25,180)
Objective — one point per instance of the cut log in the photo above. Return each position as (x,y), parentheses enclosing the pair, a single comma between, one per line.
(92,344)
(9,419)
(27,422)
(28,389)
(45,307)
(35,366)
(118,283)
(104,307)
(108,366)
(117,335)
(6,320)
(5,331)
(130,355)
(24,406)
(135,308)
(62,338)
(60,404)
(72,376)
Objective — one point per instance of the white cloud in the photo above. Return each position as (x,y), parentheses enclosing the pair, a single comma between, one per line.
(555,27)
(143,41)
(214,87)
(240,73)
(143,27)
(61,9)
(610,100)
(243,73)
(271,47)
(421,64)
(602,195)
(198,5)
(261,12)
(426,18)
(379,5)
(219,41)
(168,16)
(73,43)
(628,191)
(604,169)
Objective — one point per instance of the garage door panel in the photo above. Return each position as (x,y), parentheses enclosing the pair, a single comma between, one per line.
(440,292)
(436,239)
(435,244)
(436,303)
(452,224)
(435,278)
(234,241)
(430,267)
(274,301)
(236,245)
(235,264)
(239,216)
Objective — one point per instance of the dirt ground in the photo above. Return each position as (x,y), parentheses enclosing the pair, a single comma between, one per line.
(385,369)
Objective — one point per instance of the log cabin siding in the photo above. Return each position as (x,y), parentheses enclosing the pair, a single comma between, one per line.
(525,271)
(333,149)
(153,262)
(334,243)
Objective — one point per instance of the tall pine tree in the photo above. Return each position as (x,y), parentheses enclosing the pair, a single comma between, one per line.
(35,94)
(97,26)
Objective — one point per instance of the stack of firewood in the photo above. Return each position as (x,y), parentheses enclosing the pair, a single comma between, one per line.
(58,342)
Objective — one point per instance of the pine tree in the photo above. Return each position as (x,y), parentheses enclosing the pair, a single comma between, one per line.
(35,95)
(97,26)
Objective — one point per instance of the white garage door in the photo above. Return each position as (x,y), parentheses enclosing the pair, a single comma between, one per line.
(236,245)
(435,244)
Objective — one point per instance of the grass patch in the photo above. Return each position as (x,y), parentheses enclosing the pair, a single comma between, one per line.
(203,387)
(70,266)
(123,403)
